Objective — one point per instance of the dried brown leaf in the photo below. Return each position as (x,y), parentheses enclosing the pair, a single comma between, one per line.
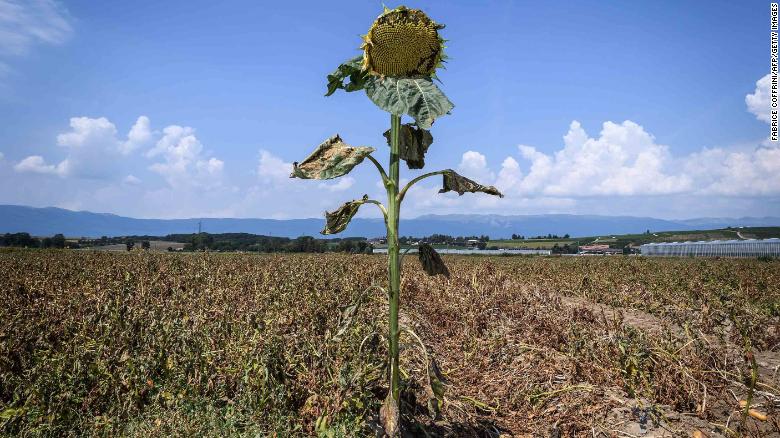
(452,181)
(337,221)
(431,261)
(332,159)
(413,143)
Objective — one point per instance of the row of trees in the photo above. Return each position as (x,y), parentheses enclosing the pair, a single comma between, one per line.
(256,243)
(117,240)
(443,239)
(199,242)
(24,240)
(353,246)
(227,242)
(565,249)
(549,236)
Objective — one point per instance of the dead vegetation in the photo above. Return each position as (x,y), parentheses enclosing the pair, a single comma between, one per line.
(205,344)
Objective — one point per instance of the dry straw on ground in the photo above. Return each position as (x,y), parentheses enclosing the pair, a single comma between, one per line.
(213,345)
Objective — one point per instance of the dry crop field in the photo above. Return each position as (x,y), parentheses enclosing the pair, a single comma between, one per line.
(144,344)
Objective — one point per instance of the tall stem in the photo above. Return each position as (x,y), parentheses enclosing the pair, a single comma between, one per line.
(393,268)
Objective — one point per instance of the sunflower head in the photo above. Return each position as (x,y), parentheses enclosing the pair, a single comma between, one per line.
(402,42)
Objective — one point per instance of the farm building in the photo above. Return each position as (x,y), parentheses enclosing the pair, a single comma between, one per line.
(599,249)
(715,248)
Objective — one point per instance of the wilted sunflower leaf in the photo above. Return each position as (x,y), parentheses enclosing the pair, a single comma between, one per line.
(413,144)
(461,184)
(349,69)
(437,382)
(345,321)
(431,261)
(420,98)
(337,221)
(348,312)
(332,159)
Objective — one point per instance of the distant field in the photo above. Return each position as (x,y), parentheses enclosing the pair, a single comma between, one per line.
(208,344)
(725,234)
(638,239)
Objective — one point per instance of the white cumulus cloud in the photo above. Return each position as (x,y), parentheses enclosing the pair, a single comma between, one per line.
(626,160)
(93,148)
(36,164)
(87,131)
(509,176)
(140,135)
(623,160)
(719,171)
(474,165)
(184,163)
(271,168)
(212,166)
(758,102)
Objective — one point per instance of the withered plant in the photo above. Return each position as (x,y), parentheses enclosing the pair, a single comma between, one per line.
(401,53)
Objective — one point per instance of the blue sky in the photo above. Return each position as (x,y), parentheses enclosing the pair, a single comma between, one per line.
(196,108)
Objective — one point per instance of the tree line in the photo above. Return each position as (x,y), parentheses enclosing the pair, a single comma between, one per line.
(227,242)
(24,240)
(199,242)
(444,239)
(258,243)
(549,236)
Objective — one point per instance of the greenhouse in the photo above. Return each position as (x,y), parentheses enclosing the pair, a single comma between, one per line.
(715,248)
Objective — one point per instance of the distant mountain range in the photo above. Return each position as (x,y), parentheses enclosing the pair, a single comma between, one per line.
(49,221)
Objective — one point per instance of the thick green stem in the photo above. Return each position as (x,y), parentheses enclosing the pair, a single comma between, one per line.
(393,268)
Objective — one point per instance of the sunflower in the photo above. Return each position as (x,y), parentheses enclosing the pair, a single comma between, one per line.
(403,43)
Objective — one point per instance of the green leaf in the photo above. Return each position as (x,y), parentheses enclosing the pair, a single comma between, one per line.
(420,98)
(461,184)
(338,220)
(413,144)
(332,159)
(9,413)
(351,69)
(431,261)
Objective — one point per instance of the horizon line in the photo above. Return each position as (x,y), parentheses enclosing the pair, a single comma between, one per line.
(379,218)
